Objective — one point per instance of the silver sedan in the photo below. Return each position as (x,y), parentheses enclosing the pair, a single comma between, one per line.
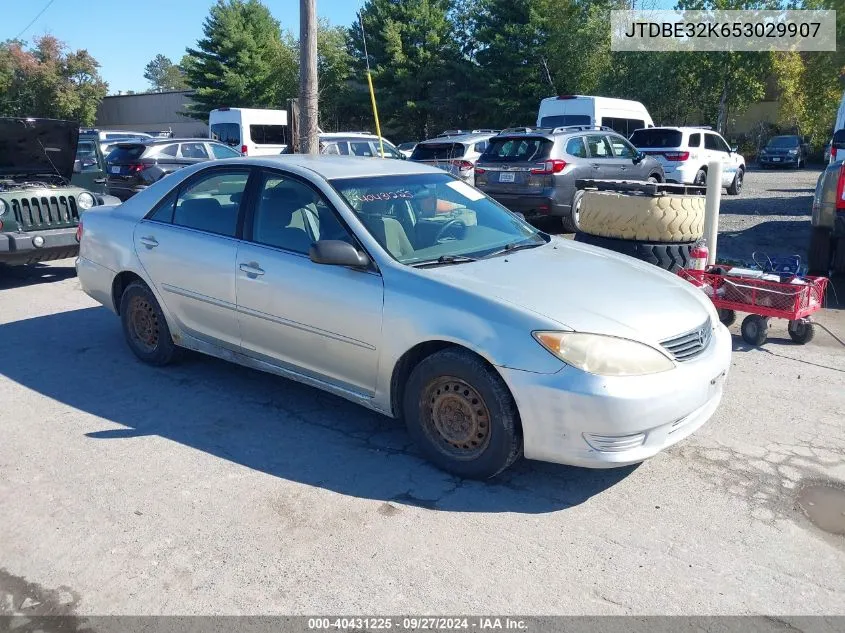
(401,288)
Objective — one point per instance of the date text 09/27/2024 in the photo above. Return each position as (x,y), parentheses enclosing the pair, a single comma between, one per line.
(416,623)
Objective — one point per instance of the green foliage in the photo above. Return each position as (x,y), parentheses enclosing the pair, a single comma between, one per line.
(48,80)
(242,60)
(163,74)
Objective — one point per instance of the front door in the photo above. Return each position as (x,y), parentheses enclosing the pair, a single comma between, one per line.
(717,149)
(602,163)
(624,154)
(323,321)
(189,245)
(89,171)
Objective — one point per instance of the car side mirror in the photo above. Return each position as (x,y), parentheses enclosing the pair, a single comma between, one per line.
(77,166)
(337,253)
(638,158)
(519,214)
(734,149)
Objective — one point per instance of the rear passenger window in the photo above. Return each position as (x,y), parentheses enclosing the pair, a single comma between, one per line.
(194,150)
(211,204)
(575,147)
(695,140)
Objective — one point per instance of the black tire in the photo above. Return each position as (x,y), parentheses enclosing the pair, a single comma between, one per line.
(820,251)
(568,222)
(486,408)
(801,331)
(145,327)
(755,329)
(700,179)
(736,186)
(666,255)
(655,178)
(727,317)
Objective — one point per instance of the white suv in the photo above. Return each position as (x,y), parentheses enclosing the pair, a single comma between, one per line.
(685,153)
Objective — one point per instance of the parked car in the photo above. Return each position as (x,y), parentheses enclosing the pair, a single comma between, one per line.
(827,242)
(621,115)
(357,144)
(40,205)
(112,135)
(89,166)
(533,170)
(455,154)
(250,131)
(135,165)
(401,288)
(828,154)
(407,148)
(108,147)
(685,153)
(784,151)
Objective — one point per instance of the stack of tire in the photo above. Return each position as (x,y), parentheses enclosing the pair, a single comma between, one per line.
(660,229)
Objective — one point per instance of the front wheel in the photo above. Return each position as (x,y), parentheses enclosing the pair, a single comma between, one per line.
(755,329)
(801,331)
(736,185)
(145,327)
(461,415)
(570,221)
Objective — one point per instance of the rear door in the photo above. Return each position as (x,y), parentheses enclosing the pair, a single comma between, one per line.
(602,163)
(188,245)
(506,164)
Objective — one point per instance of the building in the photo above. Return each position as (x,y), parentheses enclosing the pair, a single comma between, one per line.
(150,112)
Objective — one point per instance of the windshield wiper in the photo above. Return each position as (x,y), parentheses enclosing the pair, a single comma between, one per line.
(444,260)
(514,246)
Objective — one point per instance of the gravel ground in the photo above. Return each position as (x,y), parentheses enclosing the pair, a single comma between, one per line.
(206,488)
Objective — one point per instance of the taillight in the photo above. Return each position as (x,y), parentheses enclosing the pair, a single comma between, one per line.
(480,170)
(463,165)
(244,149)
(137,168)
(554,166)
(840,189)
(79,231)
(833,153)
(676,156)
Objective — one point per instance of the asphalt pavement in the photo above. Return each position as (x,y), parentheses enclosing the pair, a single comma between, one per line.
(207,488)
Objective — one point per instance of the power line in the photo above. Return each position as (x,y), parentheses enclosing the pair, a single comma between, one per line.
(34,20)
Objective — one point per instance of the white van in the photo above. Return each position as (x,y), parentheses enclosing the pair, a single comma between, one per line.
(251,131)
(622,115)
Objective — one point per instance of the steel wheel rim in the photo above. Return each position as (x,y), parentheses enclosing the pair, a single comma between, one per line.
(576,211)
(143,323)
(455,417)
(701,180)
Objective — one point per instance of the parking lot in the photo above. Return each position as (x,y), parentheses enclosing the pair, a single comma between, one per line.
(207,488)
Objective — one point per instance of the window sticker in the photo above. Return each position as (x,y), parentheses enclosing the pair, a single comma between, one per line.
(465,190)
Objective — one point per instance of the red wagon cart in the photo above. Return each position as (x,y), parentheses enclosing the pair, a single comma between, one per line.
(793,298)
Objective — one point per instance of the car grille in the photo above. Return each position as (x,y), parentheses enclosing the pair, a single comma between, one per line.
(45,212)
(687,346)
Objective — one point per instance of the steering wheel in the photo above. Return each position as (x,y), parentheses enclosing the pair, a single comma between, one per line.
(451,225)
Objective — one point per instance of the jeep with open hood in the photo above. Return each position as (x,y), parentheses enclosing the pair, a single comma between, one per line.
(39,207)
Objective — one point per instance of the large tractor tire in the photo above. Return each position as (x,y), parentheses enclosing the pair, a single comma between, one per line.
(669,256)
(659,219)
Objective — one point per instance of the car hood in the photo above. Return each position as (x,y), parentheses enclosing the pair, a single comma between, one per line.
(587,289)
(37,146)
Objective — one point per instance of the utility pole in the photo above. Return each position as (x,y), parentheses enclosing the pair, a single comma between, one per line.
(309,142)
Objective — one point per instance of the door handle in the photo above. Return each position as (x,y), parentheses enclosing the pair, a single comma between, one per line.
(252,269)
(149,241)
(596,165)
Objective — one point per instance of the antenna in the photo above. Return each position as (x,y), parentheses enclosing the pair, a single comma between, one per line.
(370,82)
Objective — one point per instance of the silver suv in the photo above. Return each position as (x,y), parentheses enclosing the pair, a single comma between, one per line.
(533,170)
(456,153)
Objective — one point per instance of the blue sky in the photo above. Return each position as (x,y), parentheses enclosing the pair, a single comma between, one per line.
(124,36)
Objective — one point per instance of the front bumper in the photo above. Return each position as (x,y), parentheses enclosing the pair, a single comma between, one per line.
(19,249)
(778,161)
(530,206)
(580,419)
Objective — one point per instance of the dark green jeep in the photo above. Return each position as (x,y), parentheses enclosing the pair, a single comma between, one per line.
(39,207)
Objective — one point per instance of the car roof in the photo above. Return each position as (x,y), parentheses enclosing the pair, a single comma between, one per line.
(162,141)
(331,167)
(459,138)
(342,135)
(551,133)
(681,128)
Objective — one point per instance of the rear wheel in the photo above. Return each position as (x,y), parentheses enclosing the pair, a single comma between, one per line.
(700,178)
(145,327)
(820,251)
(460,413)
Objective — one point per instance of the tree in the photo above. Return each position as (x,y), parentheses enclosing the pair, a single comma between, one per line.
(163,74)
(241,61)
(334,70)
(50,81)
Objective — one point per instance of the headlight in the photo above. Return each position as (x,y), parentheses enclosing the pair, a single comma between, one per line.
(604,355)
(3,207)
(85,201)
(793,151)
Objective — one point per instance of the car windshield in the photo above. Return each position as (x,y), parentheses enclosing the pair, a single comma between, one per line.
(656,137)
(784,141)
(433,218)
